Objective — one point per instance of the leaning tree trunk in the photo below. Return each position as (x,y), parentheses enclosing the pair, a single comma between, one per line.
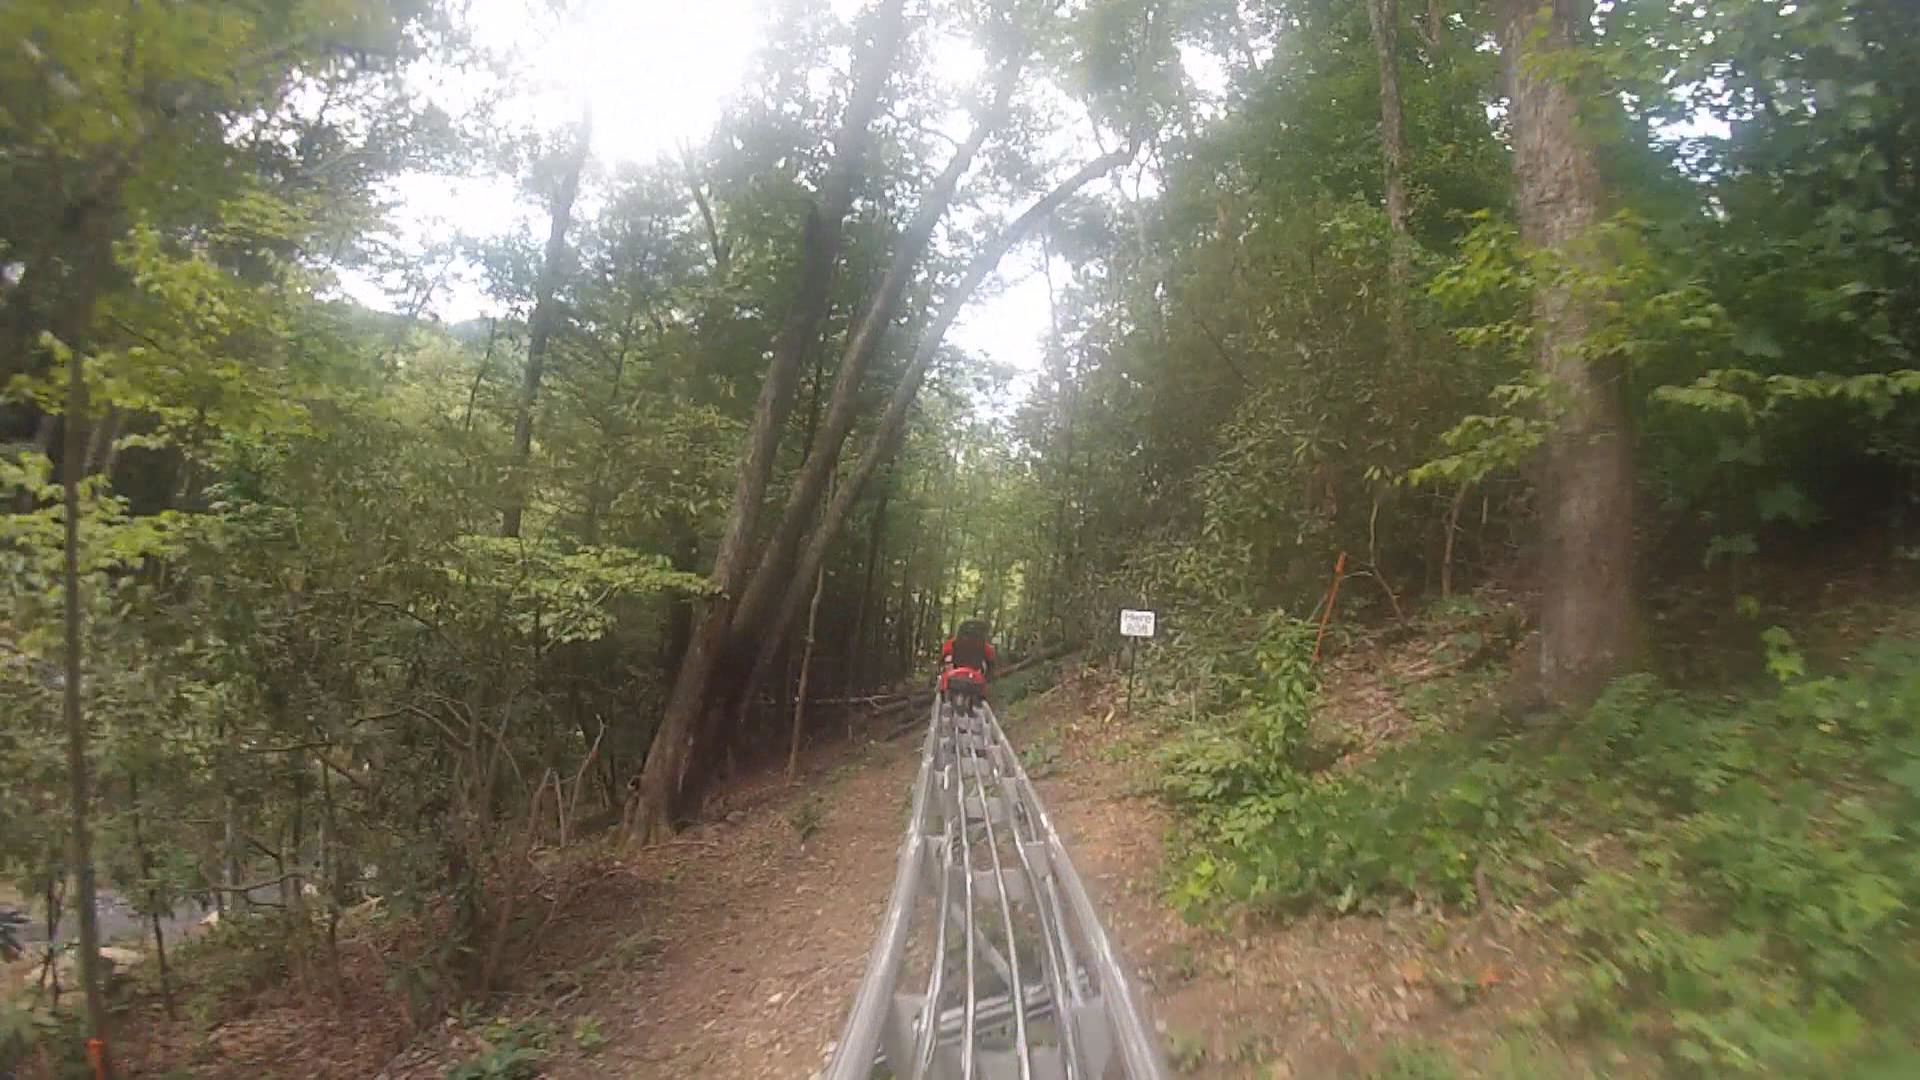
(1586,619)
(540,333)
(769,580)
(882,310)
(682,725)
(893,424)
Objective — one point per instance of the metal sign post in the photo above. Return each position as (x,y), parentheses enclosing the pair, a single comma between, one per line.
(1134,625)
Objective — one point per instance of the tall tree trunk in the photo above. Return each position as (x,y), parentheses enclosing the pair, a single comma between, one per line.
(546,314)
(480,374)
(1586,619)
(806,671)
(855,665)
(80,841)
(145,858)
(1385,18)
(1061,448)
(663,779)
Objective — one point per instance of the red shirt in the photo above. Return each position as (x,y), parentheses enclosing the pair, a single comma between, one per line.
(946,652)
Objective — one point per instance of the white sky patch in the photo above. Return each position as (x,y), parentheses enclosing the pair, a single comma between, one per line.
(1208,74)
(657,75)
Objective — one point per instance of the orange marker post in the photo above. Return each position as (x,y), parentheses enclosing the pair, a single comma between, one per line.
(1333,594)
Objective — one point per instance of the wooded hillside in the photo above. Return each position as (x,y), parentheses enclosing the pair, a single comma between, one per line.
(312,603)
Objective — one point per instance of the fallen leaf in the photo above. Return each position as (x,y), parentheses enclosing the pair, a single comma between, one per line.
(1412,973)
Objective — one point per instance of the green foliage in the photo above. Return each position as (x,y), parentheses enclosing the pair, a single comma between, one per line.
(1265,742)
(1757,913)
(1413,1063)
(588,1036)
(510,1050)
(40,1039)
(1187,1052)
(807,817)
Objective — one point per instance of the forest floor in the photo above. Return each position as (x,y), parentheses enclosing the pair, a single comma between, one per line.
(733,951)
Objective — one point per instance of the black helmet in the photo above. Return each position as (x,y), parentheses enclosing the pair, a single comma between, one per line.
(972,630)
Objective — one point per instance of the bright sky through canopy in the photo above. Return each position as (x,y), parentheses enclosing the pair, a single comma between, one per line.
(656,75)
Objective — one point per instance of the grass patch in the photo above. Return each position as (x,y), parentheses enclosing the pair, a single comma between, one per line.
(1739,872)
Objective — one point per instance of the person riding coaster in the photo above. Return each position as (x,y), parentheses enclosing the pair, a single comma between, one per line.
(966,665)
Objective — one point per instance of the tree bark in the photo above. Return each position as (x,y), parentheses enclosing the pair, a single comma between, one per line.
(546,314)
(1586,618)
(660,793)
(479,376)
(145,859)
(80,840)
(863,611)
(768,582)
(806,670)
(1384,15)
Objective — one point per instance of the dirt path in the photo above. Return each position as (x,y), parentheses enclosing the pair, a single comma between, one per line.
(761,938)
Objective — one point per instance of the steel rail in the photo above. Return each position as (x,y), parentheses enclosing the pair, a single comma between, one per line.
(1022,1051)
(1099,1022)
(968,1030)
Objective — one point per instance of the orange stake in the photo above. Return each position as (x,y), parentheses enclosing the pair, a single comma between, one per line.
(97,1057)
(1333,593)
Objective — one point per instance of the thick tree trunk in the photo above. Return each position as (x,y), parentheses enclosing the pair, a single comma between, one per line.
(1586,619)
(662,788)
(1385,18)
(546,313)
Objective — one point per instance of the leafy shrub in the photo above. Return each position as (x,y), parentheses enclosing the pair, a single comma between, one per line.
(510,1050)
(588,1035)
(1264,743)
(1753,910)
(40,1042)
(807,817)
(1769,903)
(1266,825)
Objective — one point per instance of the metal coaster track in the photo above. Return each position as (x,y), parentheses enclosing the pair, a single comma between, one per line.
(990,960)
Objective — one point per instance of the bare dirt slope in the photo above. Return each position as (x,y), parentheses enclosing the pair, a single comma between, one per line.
(764,936)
